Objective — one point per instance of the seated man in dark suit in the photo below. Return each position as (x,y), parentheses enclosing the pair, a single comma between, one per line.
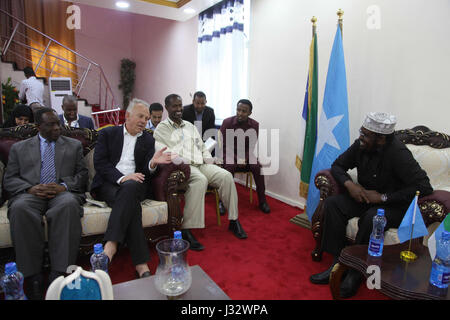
(388,177)
(124,160)
(71,118)
(199,114)
(45,175)
(232,149)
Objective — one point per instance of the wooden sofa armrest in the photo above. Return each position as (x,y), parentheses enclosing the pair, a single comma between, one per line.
(328,186)
(169,182)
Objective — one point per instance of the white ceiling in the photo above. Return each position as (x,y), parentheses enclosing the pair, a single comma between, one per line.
(155,10)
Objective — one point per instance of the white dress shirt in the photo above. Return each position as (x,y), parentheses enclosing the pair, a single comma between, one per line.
(126,164)
(33,90)
(73,124)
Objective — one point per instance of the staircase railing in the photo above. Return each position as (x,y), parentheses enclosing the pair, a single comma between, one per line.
(87,76)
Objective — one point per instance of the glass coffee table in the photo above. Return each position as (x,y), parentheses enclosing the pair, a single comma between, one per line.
(399,280)
(202,288)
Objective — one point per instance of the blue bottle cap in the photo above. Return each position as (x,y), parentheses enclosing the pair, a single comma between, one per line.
(380,212)
(98,248)
(177,235)
(10,268)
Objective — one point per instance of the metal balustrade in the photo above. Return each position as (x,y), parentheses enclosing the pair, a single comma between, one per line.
(88,77)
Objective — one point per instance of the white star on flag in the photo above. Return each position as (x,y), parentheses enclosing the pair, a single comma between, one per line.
(326,127)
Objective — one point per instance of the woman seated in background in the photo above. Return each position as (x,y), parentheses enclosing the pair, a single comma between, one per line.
(21,114)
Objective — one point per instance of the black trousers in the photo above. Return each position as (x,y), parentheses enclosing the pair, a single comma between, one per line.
(125,221)
(341,208)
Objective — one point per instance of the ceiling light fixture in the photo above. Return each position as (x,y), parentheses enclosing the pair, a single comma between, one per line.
(189,10)
(122,4)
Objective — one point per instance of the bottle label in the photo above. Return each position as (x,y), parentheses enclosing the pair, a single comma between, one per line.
(374,246)
(446,278)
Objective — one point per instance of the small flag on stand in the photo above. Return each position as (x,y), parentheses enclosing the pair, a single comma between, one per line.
(412,225)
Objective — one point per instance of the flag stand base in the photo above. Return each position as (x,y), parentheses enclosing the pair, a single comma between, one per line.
(408,256)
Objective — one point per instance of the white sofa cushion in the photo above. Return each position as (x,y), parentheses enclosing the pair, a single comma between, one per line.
(95,219)
(435,162)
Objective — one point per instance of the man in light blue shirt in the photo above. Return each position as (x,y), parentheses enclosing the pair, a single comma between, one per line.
(156,112)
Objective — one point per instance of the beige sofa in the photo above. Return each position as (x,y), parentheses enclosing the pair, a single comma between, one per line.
(432,151)
(160,217)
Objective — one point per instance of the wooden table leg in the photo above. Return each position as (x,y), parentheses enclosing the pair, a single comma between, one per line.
(335,280)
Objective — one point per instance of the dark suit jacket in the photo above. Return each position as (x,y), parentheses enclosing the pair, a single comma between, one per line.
(83,121)
(24,165)
(108,151)
(208,118)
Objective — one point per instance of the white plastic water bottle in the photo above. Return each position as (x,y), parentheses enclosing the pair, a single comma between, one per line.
(12,283)
(99,259)
(440,268)
(377,237)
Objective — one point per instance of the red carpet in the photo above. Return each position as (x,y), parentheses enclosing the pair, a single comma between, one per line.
(274,263)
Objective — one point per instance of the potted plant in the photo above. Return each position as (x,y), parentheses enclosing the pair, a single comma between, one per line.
(127,78)
(10,97)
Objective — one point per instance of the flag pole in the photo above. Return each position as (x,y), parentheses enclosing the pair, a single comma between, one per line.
(340,13)
(408,255)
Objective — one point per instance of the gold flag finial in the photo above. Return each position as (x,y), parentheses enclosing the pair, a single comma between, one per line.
(314,26)
(417,193)
(340,13)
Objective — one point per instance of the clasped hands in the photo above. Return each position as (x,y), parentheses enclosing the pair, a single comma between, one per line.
(360,194)
(47,191)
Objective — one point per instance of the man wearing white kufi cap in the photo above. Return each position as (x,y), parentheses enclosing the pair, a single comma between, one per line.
(388,177)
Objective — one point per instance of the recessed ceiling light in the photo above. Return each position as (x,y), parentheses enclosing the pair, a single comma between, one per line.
(189,10)
(122,4)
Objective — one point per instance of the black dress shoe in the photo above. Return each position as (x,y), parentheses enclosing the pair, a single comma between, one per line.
(264,207)
(237,229)
(350,285)
(34,288)
(189,237)
(222,209)
(146,274)
(323,277)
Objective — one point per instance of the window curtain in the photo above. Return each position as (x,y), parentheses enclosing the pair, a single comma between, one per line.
(49,17)
(221,65)
(16,53)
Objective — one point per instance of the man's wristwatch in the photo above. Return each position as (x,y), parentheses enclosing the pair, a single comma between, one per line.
(383,197)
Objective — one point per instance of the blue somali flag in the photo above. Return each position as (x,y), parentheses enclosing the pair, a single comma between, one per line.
(333,135)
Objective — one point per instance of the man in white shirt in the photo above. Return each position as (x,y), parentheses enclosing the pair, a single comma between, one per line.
(124,161)
(32,89)
(183,139)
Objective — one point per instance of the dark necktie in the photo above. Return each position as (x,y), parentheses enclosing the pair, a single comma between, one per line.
(48,173)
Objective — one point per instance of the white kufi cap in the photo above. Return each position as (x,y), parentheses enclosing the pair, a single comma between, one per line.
(380,122)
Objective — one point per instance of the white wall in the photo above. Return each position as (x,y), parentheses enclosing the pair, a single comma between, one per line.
(401,68)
